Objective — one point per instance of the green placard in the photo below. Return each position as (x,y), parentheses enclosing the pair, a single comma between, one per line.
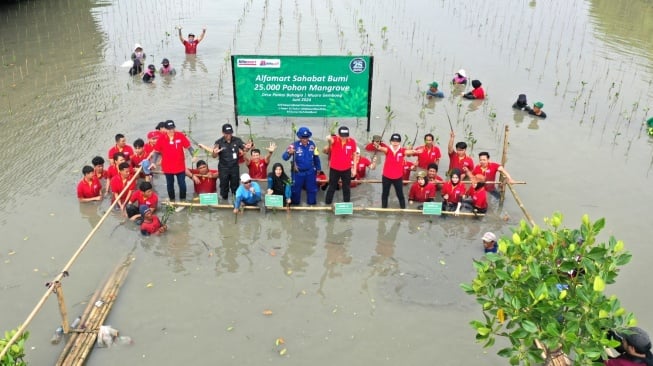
(273,200)
(208,198)
(344,208)
(302,86)
(432,208)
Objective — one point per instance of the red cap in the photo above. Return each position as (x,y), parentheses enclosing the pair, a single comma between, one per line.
(153,134)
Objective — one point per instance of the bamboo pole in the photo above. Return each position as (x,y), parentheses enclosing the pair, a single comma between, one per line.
(521,205)
(76,332)
(62,307)
(504,158)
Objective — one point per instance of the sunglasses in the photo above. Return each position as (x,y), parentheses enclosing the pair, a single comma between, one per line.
(248,182)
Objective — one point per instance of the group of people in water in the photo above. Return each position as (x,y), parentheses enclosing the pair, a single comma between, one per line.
(149,74)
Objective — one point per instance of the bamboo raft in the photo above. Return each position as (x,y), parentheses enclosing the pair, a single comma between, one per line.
(315,208)
(82,340)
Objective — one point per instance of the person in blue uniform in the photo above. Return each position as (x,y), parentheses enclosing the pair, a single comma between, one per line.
(304,166)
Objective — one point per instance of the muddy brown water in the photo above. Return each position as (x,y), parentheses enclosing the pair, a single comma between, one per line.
(368,289)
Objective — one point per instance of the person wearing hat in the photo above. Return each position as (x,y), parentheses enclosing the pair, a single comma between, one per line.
(476,93)
(228,149)
(459,78)
(151,224)
(171,148)
(453,191)
(393,169)
(458,158)
(166,68)
(305,163)
(522,103)
(152,137)
(635,348)
(191,43)
(150,74)
(204,179)
(138,54)
(342,153)
(490,242)
(537,110)
(248,193)
(433,91)
(422,190)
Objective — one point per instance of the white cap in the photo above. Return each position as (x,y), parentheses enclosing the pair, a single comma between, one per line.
(137,45)
(245,178)
(462,73)
(489,237)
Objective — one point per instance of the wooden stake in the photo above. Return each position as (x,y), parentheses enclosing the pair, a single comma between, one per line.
(504,157)
(62,307)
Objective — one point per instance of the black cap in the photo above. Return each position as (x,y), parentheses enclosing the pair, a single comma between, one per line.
(151,67)
(165,61)
(395,137)
(226,128)
(343,131)
(170,124)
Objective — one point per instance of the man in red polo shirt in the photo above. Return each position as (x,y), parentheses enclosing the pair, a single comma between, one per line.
(342,153)
(170,147)
(458,158)
(204,179)
(191,43)
(119,182)
(486,171)
(430,153)
(121,146)
(89,188)
(257,165)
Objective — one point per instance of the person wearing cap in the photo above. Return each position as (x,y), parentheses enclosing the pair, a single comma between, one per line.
(257,165)
(422,190)
(635,348)
(119,183)
(476,93)
(459,78)
(433,91)
(342,153)
(166,68)
(170,147)
(393,169)
(152,137)
(248,193)
(151,224)
(150,74)
(228,150)
(191,43)
(430,153)
(490,242)
(537,110)
(305,163)
(204,179)
(522,103)
(486,171)
(89,187)
(138,54)
(122,147)
(458,158)
(453,191)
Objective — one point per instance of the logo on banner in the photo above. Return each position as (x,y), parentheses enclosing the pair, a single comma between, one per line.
(259,63)
(357,65)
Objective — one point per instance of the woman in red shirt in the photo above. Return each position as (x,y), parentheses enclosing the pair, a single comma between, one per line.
(393,169)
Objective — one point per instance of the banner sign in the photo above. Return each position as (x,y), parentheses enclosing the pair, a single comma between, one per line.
(302,86)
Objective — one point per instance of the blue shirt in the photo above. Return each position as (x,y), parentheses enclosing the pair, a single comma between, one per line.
(244,195)
(306,157)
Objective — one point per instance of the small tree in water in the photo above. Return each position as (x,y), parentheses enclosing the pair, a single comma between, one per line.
(544,292)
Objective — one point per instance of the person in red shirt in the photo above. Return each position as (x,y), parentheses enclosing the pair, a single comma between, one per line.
(139,156)
(475,199)
(117,159)
(342,152)
(151,224)
(422,190)
(430,153)
(476,93)
(486,171)
(191,43)
(121,146)
(89,188)
(119,183)
(635,348)
(204,179)
(432,175)
(458,158)
(100,173)
(170,147)
(408,168)
(152,137)
(393,169)
(145,195)
(453,192)
(258,167)
(361,168)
